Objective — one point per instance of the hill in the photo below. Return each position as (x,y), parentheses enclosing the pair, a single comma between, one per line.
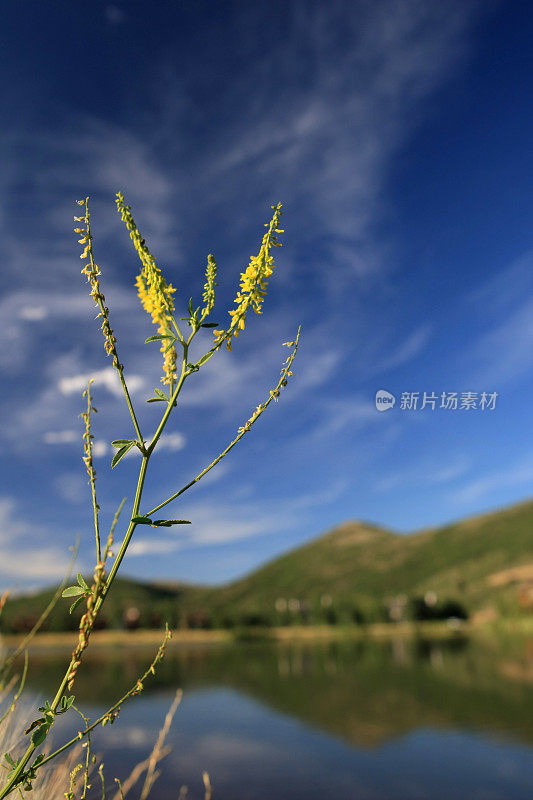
(360,570)
(355,572)
(130,604)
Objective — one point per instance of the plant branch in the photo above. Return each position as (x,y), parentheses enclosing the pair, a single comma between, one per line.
(88,459)
(274,394)
(135,689)
(99,299)
(16,774)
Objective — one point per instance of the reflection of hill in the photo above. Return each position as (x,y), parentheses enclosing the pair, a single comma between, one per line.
(364,692)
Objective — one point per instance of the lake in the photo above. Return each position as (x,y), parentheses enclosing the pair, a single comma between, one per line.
(359,720)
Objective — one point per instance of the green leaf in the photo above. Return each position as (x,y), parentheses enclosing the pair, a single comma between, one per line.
(204,359)
(141,520)
(72,591)
(121,453)
(66,703)
(190,308)
(122,442)
(158,337)
(34,724)
(75,604)
(166,523)
(160,396)
(81,582)
(39,735)
(9,760)
(209,325)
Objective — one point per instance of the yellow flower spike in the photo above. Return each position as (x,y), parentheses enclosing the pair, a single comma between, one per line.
(209,286)
(154,292)
(253,284)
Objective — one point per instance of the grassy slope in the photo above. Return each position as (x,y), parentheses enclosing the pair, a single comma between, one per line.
(156,604)
(356,562)
(362,562)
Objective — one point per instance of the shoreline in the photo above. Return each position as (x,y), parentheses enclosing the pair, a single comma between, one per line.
(319,633)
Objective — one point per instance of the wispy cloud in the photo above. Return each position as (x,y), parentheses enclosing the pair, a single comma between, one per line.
(518,476)
(327,147)
(503,351)
(108,378)
(153,547)
(22,552)
(61,437)
(430,473)
(409,349)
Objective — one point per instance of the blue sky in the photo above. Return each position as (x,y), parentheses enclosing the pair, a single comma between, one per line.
(398,136)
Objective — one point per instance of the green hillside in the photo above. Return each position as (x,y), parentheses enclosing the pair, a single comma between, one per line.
(154,604)
(356,568)
(356,572)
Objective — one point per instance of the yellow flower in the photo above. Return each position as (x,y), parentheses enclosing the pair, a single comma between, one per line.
(154,292)
(254,281)
(209,286)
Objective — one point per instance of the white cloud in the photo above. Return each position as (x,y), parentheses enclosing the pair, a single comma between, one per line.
(171,441)
(212,524)
(219,523)
(429,474)
(502,308)
(343,413)
(33,313)
(516,476)
(21,554)
(409,349)
(61,437)
(506,351)
(153,547)
(108,378)
(100,448)
(326,147)
(168,441)
(72,486)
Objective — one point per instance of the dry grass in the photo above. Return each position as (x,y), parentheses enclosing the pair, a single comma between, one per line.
(53,782)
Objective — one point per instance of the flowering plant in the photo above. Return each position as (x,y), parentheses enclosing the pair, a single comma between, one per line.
(157,299)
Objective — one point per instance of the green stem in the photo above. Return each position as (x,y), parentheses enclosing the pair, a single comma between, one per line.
(14,779)
(127,538)
(117,705)
(284,375)
(130,405)
(103,312)
(92,474)
(197,478)
(173,399)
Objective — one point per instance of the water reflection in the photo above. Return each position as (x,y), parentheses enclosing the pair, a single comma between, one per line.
(342,720)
